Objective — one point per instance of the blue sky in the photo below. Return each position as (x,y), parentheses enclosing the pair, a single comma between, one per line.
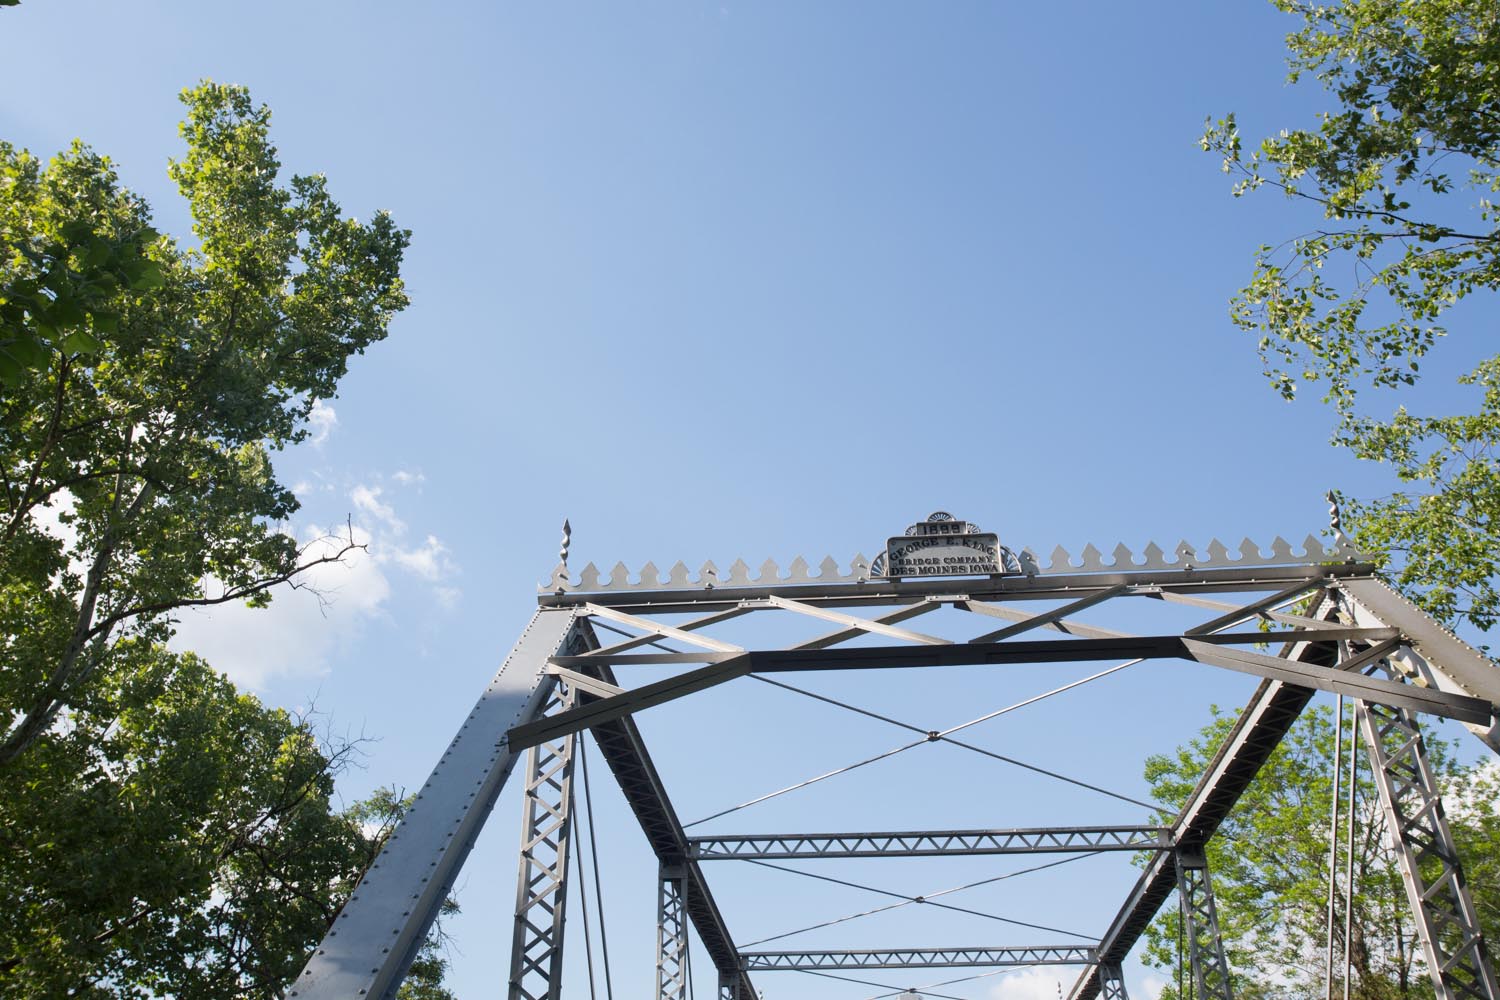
(748,280)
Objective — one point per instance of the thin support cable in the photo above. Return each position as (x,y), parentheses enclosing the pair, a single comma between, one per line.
(1046,694)
(867,982)
(925,990)
(841,704)
(929,900)
(1333,837)
(804,784)
(629,635)
(588,806)
(583,896)
(1055,774)
(828,923)
(1179,955)
(930,736)
(1349,868)
(908,901)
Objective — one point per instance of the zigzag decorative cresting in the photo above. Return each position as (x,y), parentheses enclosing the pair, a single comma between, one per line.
(1216,555)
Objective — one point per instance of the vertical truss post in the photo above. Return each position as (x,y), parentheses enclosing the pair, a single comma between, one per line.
(1205,943)
(671,935)
(1112,983)
(1452,942)
(542,884)
(729,987)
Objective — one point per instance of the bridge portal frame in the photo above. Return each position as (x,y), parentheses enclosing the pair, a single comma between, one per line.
(1353,636)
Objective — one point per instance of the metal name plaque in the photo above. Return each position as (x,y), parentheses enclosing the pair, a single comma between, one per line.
(943,546)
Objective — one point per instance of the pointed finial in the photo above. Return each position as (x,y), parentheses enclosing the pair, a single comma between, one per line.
(567,538)
(1335,518)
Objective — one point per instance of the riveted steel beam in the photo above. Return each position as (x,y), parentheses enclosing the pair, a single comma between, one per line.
(992,589)
(919,958)
(854,622)
(1055,615)
(1440,657)
(1202,648)
(931,843)
(1065,625)
(377,934)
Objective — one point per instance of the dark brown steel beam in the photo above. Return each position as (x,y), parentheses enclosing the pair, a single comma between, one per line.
(1201,648)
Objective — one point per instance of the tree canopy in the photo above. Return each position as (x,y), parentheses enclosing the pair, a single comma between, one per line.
(1401,174)
(147,384)
(161,833)
(176,838)
(1269,867)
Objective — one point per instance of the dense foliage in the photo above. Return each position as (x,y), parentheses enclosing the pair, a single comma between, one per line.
(146,382)
(1402,173)
(1269,865)
(162,834)
(173,838)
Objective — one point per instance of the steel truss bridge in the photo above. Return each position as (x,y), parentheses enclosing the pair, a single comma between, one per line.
(1336,627)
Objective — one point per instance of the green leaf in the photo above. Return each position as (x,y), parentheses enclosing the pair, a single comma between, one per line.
(147,276)
(81,342)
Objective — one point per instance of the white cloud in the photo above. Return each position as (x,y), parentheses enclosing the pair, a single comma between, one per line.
(429,561)
(367,500)
(48,517)
(1030,984)
(321,420)
(302,629)
(305,628)
(409,478)
(1151,986)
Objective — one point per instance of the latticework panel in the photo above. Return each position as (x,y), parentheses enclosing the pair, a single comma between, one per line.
(542,884)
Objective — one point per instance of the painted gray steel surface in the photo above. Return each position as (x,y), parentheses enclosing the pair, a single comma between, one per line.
(1458,958)
(931,843)
(1358,628)
(920,958)
(1184,556)
(375,937)
(1195,896)
(536,950)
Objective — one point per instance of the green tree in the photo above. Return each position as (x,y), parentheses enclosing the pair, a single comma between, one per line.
(1269,866)
(162,834)
(176,838)
(172,838)
(1402,172)
(147,383)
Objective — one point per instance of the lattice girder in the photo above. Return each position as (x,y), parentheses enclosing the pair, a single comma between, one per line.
(672,935)
(542,882)
(1452,940)
(1112,983)
(1210,968)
